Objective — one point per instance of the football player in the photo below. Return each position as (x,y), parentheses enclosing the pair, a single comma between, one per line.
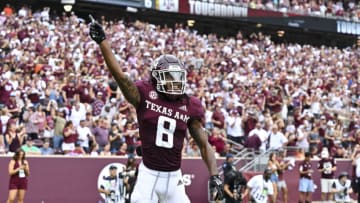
(164,114)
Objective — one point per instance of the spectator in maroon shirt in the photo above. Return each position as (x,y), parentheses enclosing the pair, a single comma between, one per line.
(130,133)
(70,137)
(69,91)
(217,139)
(5,90)
(33,94)
(99,87)
(124,107)
(274,102)
(253,142)
(122,149)
(84,92)
(12,105)
(14,136)
(250,121)
(218,118)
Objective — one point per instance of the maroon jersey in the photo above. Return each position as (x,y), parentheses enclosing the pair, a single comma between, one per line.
(276,108)
(304,166)
(5,91)
(83,92)
(70,91)
(327,164)
(11,105)
(219,116)
(71,138)
(163,126)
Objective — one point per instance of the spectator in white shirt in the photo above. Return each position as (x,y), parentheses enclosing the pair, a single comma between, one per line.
(277,140)
(234,128)
(84,135)
(78,113)
(302,138)
(263,135)
(208,115)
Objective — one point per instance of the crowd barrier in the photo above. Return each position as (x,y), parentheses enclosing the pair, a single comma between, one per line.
(59,179)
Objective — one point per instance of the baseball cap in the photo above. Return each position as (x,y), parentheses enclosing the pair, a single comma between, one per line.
(112,167)
(229,155)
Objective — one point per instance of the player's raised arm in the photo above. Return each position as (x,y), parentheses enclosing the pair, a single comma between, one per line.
(127,86)
(197,132)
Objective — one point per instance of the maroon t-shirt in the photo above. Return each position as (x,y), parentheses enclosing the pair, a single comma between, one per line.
(218,143)
(71,138)
(11,104)
(69,91)
(304,166)
(84,94)
(163,126)
(130,139)
(219,116)
(327,164)
(253,142)
(5,93)
(101,89)
(249,125)
(276,108)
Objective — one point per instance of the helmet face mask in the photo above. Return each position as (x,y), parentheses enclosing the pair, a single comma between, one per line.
(169,74)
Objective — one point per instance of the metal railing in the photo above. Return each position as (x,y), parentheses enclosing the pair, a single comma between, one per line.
(255,160)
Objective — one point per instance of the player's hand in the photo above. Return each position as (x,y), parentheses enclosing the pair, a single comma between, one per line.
(96,31)
(216,188)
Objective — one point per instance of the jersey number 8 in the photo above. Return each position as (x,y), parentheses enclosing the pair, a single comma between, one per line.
(165,127)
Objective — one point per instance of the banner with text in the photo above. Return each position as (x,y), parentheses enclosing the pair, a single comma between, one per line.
(206,8)
(67,179)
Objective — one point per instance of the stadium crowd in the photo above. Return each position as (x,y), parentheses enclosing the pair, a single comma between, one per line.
(348,9)
(58,97)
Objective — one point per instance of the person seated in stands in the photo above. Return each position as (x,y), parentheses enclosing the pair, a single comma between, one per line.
(46,149)
(122,150)
(106,151)
(94,149)
(29,148)
(79,150)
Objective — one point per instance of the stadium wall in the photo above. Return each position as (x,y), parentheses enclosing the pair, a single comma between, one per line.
(73,179)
